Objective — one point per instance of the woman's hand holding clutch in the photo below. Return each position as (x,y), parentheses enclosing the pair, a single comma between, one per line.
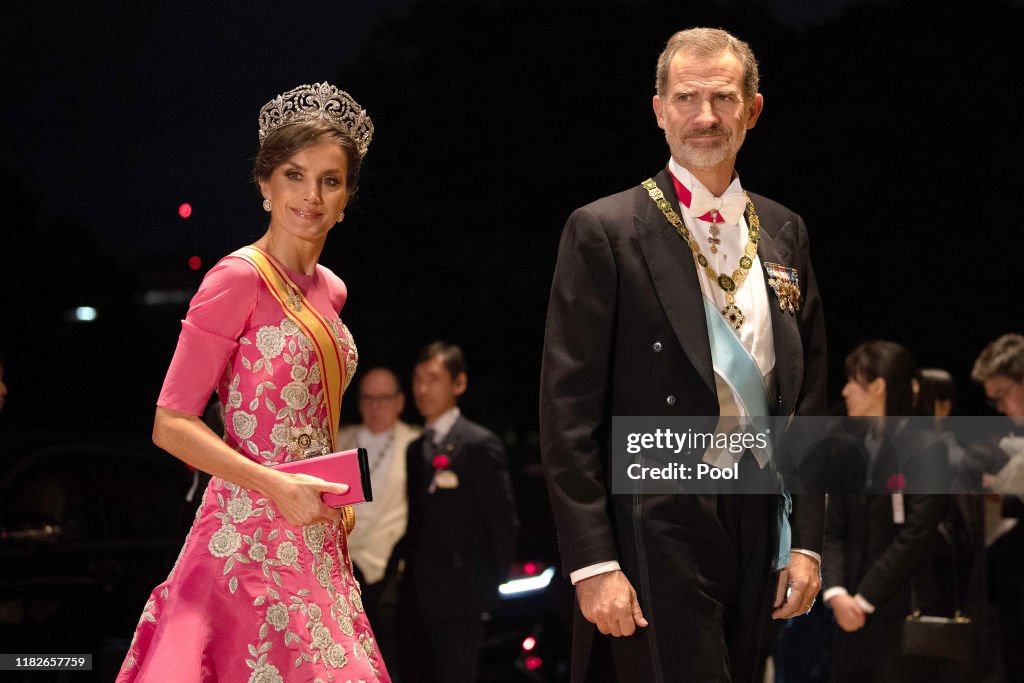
(298,498)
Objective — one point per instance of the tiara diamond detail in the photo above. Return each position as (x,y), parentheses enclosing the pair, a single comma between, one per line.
(315,102)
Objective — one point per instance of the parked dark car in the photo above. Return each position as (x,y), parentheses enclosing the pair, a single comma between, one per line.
(86,531)
(527,637)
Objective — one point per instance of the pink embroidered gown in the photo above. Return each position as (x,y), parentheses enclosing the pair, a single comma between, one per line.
(251,597)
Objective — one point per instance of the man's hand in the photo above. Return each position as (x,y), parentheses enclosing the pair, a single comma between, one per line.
(609,602)
(849,615)
(801,579)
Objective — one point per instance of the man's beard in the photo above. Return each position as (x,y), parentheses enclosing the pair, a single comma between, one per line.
(704,157)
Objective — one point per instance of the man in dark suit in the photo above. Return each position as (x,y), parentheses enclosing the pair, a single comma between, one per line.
(462,527)
(680,587)
(1000,370)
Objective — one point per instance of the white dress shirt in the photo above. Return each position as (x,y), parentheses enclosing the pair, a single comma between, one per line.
(443,424)
(751,298)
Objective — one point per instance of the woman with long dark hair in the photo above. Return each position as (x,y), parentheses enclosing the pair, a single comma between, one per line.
(877,540)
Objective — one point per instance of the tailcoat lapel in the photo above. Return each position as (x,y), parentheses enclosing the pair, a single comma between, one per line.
(774,247)
(674,275)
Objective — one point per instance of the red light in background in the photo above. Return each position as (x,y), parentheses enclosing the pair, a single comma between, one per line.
(529,643)
(530,568)
(185,210)
(195,263)
(533,663)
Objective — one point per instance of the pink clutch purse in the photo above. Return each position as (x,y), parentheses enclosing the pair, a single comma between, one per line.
(347,467)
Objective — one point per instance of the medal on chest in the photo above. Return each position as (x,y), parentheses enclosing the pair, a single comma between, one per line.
(785,282)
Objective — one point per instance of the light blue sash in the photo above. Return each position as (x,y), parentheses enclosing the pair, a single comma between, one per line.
(739,369)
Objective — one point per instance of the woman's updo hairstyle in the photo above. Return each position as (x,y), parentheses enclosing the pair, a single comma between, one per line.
(284,142)
(307,115)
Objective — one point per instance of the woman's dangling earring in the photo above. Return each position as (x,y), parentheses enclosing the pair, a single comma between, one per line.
(267,205)
(341,216)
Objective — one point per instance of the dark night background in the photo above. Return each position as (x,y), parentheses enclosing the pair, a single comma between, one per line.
(890,126)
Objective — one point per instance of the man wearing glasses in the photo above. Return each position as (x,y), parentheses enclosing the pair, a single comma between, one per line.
(381,523)
(1000,370)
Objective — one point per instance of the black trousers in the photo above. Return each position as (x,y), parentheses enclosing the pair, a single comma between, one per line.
(1006,586)
(432,650)
(873,655)
(701,566)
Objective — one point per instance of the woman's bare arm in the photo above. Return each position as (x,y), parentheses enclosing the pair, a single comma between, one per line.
(297,496)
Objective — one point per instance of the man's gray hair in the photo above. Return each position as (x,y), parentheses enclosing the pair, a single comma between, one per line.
(1002,357)
(708,42)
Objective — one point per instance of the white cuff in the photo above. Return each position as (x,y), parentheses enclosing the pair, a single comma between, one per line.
(833,592)
(864,604)
(593,570)
(811,553)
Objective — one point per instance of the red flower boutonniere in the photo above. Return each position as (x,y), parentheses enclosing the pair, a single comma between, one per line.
(896,483)
(444,478)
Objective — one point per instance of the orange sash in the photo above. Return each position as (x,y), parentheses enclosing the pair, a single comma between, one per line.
(317,329)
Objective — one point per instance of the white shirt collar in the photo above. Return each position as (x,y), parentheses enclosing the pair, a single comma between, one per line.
(689,181)
(444,423)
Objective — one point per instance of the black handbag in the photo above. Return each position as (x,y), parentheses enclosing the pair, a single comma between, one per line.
(943,637)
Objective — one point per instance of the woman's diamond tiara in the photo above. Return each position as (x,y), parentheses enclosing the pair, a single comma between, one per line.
(314,102)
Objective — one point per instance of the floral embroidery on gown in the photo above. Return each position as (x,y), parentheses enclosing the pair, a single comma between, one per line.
(251,597)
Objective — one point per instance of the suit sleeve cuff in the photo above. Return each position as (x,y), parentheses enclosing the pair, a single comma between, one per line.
(593,570)
(810,553)
(833,592)
(864,604)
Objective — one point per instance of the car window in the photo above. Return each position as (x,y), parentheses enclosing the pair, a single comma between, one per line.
(51,495)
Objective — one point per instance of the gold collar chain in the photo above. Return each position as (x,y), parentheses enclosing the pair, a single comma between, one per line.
(728,283)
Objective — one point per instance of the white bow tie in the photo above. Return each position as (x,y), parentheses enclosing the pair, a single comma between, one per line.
(729,207)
